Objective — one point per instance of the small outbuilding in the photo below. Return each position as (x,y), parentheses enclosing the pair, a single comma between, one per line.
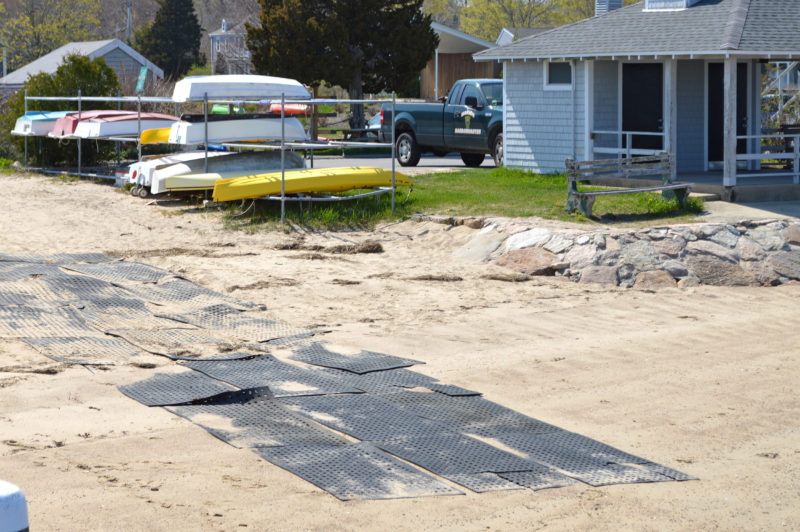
(682,76)
(126,61)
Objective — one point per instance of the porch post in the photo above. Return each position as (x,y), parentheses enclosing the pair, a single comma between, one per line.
(729,124)
(671,112)
(588,109)
(436,74)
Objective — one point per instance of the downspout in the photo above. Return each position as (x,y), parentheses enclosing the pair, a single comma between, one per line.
(436,74)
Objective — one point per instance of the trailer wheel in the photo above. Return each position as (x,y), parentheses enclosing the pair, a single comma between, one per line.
(497,150)
(407,149)
(473,160)
(134,190)
(143,192)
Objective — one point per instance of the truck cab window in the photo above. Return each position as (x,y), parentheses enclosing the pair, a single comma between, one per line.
(493,92)
(471,91)
(455,93)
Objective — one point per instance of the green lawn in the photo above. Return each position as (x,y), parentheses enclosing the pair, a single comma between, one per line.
(471,192)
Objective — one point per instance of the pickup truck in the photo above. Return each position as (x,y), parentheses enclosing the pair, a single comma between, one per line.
(468,121)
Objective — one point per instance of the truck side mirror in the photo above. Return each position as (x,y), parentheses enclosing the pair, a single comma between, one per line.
(471,101)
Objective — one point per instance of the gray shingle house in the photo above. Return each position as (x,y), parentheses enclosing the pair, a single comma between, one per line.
(682,76)
(122,58)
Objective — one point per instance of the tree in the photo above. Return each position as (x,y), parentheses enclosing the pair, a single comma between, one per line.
(33,28)
(369,45)
(77,72)
(447,12)
(486,18)
(172,41)
(567,11)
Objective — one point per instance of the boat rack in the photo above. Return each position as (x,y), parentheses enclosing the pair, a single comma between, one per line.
(283,145)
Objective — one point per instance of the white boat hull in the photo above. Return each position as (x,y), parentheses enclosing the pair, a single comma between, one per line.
(235,130)
(237,86)
(120,128)
(141,173)
(37,123)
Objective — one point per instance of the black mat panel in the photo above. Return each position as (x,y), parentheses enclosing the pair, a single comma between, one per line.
(667,471)
(179,344)
(540,479)
(119,313)
(188,295)
(483,482)
(366,417)
(455,453)
(27,292)
(103,350)
(16,271)
(69,287)
(122,272)
(74,258)
(469,414)
(619,474)
(393,380)
(237,324)
(21,257)
(164,389)
(356,471)
(285,380)
(34,322)
(318,354)
(258,421)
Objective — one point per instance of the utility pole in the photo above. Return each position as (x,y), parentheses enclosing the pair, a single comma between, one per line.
(128,27)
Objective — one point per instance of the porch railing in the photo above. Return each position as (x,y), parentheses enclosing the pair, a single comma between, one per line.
(626,149)
(784,148)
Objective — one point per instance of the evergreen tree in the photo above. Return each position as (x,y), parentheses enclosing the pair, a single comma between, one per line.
(172,41)
(361,45)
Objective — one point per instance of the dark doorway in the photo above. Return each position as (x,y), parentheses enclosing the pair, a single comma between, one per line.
(643,103)
(716,109)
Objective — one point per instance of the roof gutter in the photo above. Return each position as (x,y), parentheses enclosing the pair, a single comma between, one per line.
(777,54)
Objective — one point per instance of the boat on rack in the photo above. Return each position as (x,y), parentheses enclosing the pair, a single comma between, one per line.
(238,87)
(191,174)
(232,128)
(106,123)
(312,180)
(140,174)
(37,123)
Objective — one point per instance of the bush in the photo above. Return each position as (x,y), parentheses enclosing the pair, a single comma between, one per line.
(77,72)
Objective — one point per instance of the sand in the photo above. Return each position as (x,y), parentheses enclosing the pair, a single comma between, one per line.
(700,379)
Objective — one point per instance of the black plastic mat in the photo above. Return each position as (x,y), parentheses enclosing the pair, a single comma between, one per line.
(122,272)
(88,350)
(17,321)
(318,354)
(284,379)
(356,471)
(164,389)
(181,344)
(187,295)
(394,380)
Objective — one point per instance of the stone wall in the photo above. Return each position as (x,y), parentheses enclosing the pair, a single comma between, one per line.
(750,253)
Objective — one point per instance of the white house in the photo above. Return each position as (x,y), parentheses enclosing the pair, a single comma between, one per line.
(682,76)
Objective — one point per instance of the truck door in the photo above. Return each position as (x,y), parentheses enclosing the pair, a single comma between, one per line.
(465,125)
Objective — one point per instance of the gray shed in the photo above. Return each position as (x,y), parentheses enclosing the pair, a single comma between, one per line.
(122,58)
(682,76)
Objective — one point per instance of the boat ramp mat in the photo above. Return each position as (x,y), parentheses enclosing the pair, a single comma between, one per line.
(58,258)
(88,350)
(318,354)
(282,378)
(186,294)
(356,471)
(186,344)
(122,272)
(18,321)
(391,381)
(163,389)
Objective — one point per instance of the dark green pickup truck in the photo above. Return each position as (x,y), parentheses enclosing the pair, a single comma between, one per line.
(469,121)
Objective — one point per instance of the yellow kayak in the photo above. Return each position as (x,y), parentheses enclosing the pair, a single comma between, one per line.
(155,136)
(307,181)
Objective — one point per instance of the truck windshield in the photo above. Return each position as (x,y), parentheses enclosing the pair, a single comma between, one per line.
(493,93)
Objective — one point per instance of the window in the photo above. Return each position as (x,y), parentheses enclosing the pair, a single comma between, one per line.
(557,76)
(471,90)
(493,93)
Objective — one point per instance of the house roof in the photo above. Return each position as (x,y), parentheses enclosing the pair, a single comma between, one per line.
(762,28)
(457,42)
(94,49)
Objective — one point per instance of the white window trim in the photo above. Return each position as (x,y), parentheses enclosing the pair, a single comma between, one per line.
(558,86)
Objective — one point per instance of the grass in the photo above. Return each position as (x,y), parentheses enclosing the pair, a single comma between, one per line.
(472,192)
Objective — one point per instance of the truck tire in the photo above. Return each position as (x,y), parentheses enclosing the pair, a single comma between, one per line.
(407,149)
(473,160)
(497,150)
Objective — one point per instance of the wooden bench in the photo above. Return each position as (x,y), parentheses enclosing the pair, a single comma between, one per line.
(613,172)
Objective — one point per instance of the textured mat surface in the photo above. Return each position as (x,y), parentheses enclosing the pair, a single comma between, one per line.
(174,388)
(356,471)
(394,380)
(122,272)
(90,350)
(320,354)
(17,321)
(181,344)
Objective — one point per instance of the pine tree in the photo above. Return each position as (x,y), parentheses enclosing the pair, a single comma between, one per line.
(172,41)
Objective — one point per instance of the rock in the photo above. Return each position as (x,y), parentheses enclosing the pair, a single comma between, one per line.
(653,279)
(675,269)
(706,247)
(792,233)
(600,241)
(606,275)
(581,256)
(582,240)
(612,244)
(528,239)
(762,272)
(767,238)
(657,234)
(641,255)
(733,230)
(626,238)
(706,231)
(531,261)
(558,243)
(786,263)
(724,238)
(474,223)
(717,272)
(688,282)
(749,250)
(481,246)
(671,247)
(608,258)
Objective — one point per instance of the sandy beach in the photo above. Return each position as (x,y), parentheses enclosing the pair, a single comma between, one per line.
(701,379)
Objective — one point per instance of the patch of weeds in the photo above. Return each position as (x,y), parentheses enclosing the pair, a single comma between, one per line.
(507,277)
(442,278)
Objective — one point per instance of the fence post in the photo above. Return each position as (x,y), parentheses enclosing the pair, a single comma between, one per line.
(79,140)
(796,160)
(283,155)
(26,137)
(394,117)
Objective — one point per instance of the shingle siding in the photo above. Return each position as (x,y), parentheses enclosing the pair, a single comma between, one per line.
(542,127)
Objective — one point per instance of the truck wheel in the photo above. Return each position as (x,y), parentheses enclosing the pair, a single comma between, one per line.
(497,150)
(473,160)
(407,150)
